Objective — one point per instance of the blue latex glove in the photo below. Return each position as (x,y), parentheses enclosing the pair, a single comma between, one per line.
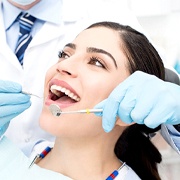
(12,103)
(144,99)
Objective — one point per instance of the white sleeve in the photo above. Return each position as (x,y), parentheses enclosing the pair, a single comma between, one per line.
(172,136)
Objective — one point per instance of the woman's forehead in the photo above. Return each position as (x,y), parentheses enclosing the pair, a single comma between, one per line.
(99,37)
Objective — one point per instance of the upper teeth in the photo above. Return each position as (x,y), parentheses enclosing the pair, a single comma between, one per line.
(55,89)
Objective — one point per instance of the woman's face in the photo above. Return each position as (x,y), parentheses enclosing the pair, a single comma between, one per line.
(89,69)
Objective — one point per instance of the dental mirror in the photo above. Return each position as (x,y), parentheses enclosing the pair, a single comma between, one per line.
(56,111)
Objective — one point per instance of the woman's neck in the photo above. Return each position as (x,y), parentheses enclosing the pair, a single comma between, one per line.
(87,160)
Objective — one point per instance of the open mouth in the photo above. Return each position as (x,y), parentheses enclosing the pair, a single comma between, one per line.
(62,95)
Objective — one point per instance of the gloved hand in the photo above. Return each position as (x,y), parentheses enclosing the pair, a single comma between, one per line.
(12,103)
(144,99)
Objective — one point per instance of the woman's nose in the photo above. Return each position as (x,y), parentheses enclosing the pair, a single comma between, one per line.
(68,67)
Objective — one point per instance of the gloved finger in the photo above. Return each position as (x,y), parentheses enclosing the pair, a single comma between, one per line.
(126,105)
(146,98)
(13,98)
(6,119)
(3,128)
(161,113)
(144,105)
(124,115)
(153,121)
(151,104)
(10,86)
(109,115)
(13,109)
(100,106)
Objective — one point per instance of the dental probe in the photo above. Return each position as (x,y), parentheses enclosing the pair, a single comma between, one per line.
(56,111)
(24,92)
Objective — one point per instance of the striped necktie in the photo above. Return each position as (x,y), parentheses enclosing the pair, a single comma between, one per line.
(26,22)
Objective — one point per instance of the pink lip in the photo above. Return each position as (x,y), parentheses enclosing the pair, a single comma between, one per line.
(62,84)
(57,82)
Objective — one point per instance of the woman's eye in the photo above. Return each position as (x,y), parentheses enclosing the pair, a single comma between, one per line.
(63,55)
(95,61)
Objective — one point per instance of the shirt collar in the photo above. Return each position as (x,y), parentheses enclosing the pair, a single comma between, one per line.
(45,10)
(48,10)
(9,18)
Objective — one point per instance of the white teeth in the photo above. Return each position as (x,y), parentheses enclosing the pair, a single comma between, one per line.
(70,95)
(63,89)
(67,91)
(56,90)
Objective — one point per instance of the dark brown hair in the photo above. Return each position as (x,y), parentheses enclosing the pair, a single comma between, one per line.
(134,145)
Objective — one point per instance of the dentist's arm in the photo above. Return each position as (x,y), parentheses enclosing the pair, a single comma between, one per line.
(12,103)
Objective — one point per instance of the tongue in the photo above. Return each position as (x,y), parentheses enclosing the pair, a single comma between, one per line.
(65,100)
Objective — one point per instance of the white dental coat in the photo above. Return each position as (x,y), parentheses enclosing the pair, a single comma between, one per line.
(42,53)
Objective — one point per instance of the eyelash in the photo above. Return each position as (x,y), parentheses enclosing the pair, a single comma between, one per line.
(62,54)
(93,59)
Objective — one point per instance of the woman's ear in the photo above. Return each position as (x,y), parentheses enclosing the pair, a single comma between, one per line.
(119,122)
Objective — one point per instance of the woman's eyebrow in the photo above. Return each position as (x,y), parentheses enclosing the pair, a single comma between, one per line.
(96,50)
(71,45)
(93,50)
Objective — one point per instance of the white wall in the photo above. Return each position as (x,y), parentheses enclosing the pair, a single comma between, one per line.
(161,19)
